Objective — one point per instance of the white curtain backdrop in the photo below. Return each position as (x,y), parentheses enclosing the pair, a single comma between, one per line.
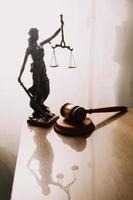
(112,53)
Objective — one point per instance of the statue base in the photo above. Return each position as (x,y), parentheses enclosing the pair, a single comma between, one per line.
(42,122)
(64,127)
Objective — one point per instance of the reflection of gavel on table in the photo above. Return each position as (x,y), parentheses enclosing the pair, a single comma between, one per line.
(74,120)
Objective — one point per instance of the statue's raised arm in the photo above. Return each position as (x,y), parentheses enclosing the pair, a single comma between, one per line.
(50,38)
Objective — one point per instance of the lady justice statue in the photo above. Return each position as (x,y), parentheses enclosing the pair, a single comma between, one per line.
(40,89)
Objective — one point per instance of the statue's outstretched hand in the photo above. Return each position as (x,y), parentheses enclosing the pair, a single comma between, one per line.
(19,79)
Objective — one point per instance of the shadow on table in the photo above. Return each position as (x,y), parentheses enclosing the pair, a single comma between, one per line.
(7,162)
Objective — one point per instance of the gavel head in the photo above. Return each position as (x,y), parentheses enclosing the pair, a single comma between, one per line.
(74,114)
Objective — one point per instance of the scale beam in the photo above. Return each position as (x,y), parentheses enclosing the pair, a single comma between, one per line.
(62,43)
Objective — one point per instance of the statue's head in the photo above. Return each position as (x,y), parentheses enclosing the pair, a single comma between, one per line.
(33,32)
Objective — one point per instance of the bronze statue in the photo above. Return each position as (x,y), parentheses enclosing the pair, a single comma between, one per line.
(40,89)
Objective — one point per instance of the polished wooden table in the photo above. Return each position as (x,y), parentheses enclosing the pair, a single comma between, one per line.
(54,167)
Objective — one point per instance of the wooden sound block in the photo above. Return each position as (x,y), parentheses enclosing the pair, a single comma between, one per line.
(64,127)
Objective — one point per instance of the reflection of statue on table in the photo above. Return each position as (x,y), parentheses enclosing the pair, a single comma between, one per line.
(45,155)
(40,88)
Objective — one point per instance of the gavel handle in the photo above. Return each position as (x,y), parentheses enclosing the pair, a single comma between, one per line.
(108,109)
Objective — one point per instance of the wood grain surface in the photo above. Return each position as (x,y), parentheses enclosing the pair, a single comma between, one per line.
(56,167)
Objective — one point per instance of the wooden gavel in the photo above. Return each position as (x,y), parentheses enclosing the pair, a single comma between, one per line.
(77,114)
